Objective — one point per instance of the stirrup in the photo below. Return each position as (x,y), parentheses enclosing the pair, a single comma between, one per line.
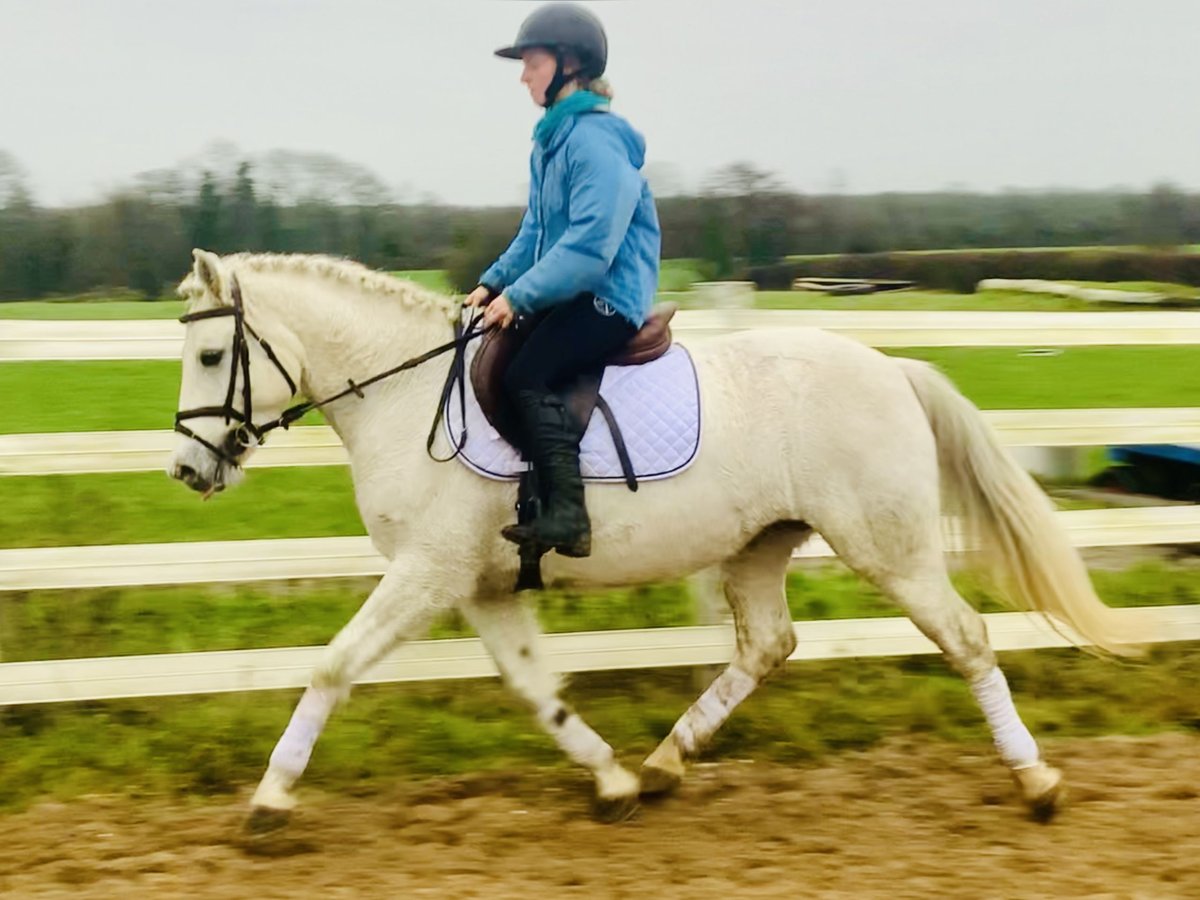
(526,535)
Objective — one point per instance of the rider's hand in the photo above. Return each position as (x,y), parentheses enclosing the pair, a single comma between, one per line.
(479,297)
(498,312)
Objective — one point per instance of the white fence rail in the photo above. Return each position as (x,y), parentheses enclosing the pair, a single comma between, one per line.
(93,452)
(291,667)
(45,568)
(146,451)
(143,339)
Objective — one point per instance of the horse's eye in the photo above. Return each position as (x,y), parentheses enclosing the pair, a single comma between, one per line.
(211,357)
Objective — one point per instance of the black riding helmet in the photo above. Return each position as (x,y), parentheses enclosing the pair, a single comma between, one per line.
(563,28)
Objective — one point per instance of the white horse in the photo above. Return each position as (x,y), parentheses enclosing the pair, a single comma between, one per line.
(803,431)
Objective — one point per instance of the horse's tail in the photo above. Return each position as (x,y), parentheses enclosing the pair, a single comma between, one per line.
(1010,519)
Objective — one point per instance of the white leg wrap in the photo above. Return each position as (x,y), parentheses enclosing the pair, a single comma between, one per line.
(577,739)
(1016,745)
(696,726)
(291,754)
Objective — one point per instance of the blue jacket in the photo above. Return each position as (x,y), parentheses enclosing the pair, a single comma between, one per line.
(590,226)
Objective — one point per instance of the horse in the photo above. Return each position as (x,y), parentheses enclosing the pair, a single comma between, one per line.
(804,432)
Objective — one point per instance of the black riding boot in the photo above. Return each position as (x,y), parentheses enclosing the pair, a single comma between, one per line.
(552,436)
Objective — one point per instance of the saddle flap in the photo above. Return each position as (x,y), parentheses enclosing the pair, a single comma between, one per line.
(496,350)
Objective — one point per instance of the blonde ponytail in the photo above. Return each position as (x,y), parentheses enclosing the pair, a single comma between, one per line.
(600,86)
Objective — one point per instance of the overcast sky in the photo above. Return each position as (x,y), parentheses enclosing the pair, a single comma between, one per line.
(864,95)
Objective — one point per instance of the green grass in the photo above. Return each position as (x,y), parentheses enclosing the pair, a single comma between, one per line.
(147,507)
(185,618)
(1078,377)
(983,301)
(816,257)
(317,501)
(1106,248)
(97,309)
(986,301)
(680,274)
(163,308)
(88,396)
(217,744)
(434,279)
(93,396)
(676,277)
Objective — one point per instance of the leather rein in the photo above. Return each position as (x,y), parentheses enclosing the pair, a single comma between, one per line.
(247,434)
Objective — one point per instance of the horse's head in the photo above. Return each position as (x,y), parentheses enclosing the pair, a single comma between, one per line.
(234,380)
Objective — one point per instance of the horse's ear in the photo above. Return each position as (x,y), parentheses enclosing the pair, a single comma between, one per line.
(209,272)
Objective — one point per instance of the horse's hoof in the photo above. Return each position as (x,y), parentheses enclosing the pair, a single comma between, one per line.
(663,770)
(658,782)
(1042,789)
(266,820)
(611,810)
(1046,806)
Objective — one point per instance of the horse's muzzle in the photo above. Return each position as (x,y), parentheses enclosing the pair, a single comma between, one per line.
(197,482)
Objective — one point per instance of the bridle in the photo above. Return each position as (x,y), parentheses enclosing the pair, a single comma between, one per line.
(247,434)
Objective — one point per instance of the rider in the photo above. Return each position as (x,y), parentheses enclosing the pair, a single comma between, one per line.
(584,264)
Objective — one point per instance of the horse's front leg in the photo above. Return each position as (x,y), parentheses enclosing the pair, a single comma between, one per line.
(509,629)
(407,598)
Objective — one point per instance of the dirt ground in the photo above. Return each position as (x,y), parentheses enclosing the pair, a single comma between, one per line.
(912,819)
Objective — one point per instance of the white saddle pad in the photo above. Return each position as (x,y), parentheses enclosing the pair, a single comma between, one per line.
(656,405)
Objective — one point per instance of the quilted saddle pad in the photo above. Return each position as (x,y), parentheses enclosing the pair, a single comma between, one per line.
(656,405)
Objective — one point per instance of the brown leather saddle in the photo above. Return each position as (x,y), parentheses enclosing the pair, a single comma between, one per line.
(582,396)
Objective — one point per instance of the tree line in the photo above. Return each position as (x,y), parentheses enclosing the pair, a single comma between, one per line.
(139,238)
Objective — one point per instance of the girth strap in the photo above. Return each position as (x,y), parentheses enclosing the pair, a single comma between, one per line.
(619,442)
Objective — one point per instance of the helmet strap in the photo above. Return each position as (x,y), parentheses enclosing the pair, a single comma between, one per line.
(559,80)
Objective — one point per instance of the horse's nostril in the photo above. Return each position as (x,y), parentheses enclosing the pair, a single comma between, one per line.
(185,473)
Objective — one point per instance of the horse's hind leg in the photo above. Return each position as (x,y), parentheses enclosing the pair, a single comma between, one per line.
(509,629)
(754,582)
(949,621)
(911,570)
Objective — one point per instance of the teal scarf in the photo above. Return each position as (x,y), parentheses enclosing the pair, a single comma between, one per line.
(571,105)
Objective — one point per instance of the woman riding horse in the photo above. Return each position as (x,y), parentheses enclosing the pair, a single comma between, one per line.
(583,268)
(805,432)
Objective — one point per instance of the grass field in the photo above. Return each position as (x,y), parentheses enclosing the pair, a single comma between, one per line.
(184,618)
(676,291)
(147,507)
(98,309)
(983,301)
(91,396)
(1187,248)
(163,308)
(214,745)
